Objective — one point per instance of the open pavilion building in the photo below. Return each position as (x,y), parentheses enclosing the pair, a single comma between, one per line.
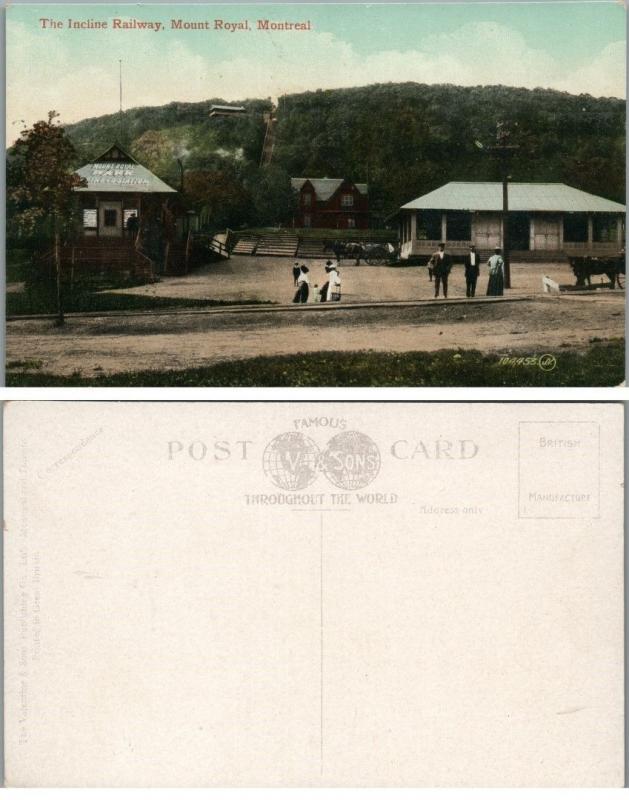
(546,220)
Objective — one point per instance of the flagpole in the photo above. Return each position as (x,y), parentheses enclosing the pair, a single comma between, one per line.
(120,88)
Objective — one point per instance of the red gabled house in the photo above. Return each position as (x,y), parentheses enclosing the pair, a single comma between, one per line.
(331,203)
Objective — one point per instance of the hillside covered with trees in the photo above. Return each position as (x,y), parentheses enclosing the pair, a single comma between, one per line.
(408,139)
(403,139)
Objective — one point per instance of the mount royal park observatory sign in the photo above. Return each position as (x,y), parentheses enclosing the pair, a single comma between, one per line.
(104,176)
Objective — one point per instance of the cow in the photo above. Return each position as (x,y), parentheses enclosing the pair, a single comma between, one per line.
(586,266)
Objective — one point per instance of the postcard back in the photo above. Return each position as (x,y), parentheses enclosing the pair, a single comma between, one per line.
(282,594)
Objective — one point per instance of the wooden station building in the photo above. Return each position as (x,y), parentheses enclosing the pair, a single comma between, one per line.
(546,220)
(117,189)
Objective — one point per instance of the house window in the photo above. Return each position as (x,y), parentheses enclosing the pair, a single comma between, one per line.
(90,218)
(110,219)
(347,200)
(307,220)
(351,222)
(429,225)
(307,200)
(459,226)
(575,228)
(605,228)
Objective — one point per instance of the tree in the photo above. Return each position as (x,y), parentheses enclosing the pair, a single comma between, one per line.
(156,149)
(273,196)
(219,196)
(41,184)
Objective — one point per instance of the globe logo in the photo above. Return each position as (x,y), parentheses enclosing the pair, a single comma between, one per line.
(291,461)
(351,460)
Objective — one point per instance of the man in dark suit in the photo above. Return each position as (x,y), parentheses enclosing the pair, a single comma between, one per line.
(471,271)
(441,263)
(296,273)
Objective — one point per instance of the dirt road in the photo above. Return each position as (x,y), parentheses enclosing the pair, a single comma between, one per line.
(92,345)
(255,278)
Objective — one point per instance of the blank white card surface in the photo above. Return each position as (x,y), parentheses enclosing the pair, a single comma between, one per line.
(322,594)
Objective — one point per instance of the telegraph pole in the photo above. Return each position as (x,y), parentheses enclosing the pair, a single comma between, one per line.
(504,151)
(505,220)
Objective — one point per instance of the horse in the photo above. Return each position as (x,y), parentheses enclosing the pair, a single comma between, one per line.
(586,266)
(345,250)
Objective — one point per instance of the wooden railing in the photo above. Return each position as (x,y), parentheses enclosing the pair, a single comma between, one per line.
(601,247)
(212,243)
(452,244)
(119,257)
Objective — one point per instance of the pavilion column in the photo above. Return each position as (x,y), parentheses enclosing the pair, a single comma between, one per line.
(590,231)
(532,233)
(413,225)
(561,218)
(619,221)
(444,227)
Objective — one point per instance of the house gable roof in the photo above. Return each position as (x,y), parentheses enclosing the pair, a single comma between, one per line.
(487,196)
(117,171)
(325,187)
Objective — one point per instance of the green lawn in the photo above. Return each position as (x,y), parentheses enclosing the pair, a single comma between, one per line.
(601,365)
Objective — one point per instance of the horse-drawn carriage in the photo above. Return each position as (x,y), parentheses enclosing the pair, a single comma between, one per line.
(373,253)
(584,267)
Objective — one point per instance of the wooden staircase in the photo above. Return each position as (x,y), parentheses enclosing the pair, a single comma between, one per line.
(313,248)
(98,258)
(246,245)
(289,244)
(277,244)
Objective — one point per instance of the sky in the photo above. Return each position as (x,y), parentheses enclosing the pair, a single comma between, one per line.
(578,47)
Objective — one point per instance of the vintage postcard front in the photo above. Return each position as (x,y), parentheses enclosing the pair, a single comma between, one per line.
(321,194)
(289,594)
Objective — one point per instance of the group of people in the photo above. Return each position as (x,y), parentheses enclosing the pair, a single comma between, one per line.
(330,291)
(439,268)
(440,265)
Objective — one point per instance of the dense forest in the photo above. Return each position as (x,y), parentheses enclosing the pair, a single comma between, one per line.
(408,139)
(403,139)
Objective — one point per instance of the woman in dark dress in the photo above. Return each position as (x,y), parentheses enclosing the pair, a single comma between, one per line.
(303,286)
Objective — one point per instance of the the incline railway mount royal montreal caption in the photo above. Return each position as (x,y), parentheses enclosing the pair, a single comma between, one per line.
(47,23)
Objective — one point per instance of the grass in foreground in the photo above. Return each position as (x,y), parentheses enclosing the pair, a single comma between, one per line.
(602,365)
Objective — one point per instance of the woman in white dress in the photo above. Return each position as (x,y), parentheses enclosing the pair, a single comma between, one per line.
(334,285)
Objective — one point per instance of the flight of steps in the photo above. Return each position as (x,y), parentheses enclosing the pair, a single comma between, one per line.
(246,245)
(105,257)
(277,244)
(312,248)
